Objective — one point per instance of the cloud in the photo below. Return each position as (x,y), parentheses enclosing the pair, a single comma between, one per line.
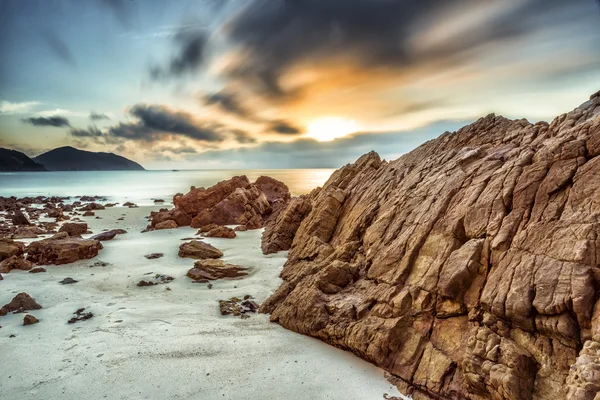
(59,111)
(59,48)
(309,153)
(284,128)
(91,131)
(122,9)
(55,121)
(155,121)
(6,107)
(242,136)
(188,58)
(94,116)
(229,103)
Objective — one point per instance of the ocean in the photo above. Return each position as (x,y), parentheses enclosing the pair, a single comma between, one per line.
(141,187)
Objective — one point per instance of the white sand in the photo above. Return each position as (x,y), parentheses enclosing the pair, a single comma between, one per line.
(151,343)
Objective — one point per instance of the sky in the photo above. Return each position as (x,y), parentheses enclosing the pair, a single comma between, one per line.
(283,83)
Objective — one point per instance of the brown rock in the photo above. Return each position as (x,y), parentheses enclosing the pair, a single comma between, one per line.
(215,269)
(170,224)
(18,218)
(280,231)
(80,315)
(74,228)
(20,303)
(37,270)
(275,191)
(9,248)
(30,320)
(62,250)
(467,268)
(180,217)
(27,232)
(221,232)
(238,307)
(198,250)
(240,228)
(198,200)
(154,256)
(15,262)
(89,214)
(108,235)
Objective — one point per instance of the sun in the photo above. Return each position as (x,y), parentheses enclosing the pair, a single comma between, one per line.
(330,128)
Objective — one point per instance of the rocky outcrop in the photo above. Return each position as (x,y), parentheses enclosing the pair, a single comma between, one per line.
(236,201)
(220,232)
(280,231)
(198,250)
(168,224)
(469,268)
(215,269)
(15,262)
(9,248)
(62,249)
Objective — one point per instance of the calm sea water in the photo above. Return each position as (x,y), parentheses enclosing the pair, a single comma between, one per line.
(143,186)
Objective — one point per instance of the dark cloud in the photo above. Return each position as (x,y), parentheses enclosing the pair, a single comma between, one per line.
(56,121)
(188,59)
(242,136)
(229,103)
(59,48)
(94,116)
(283,128)
(91,131)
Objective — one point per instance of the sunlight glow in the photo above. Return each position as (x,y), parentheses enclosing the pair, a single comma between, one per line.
(330,128)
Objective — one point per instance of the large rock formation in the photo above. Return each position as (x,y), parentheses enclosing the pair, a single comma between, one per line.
(62,249)
(468,268)
(236,201)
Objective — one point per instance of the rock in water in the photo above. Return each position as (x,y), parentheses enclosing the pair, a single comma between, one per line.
(20,303)
(153,256)
(108,235)
(74,228)
(169,224)
(15,262)
(9,248)
(19,218)
(30,320)
(62,250)
(468,268)
(215,269)
(221,232)
(199,250)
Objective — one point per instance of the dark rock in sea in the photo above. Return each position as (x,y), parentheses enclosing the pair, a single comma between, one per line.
(108,235)
(74,228)
(37,270)
(68,281)
(154,256)
(18,218)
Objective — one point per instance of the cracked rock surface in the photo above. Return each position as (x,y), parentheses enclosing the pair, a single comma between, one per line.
(468,268)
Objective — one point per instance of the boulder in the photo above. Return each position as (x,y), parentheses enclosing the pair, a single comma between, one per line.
(221,232)
(30,320)
(198,250)
(74,228)
(215,269)
(18,218)
(15,262)
(198,200)
(275,191)
(9,248)
(467,268)
(20,303)
(153,256)
(62,250)
(27,232)
(169,224)
(108,235)
(179,216)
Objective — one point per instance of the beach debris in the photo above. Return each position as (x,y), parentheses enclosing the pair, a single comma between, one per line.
(68,281)
(30,320)
(215,269)
(20,303)
(158,279)
(80,315)
(153,256)
(238,307)
(99,264)
(74,228)
(199,250)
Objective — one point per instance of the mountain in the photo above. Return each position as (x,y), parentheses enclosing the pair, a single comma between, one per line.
(468,268)
(12,160)
(71,159)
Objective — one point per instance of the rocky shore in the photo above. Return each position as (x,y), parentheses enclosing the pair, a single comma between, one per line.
(468,268)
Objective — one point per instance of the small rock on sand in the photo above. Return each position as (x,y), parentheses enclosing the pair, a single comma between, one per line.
(153,256)
(30,320)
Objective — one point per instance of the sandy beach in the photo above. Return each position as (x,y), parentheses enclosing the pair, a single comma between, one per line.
(155,343)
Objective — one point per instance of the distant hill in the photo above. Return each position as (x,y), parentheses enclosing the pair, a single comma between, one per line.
(12,160)
(71,159)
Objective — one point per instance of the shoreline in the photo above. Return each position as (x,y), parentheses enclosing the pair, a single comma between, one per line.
(168,343)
